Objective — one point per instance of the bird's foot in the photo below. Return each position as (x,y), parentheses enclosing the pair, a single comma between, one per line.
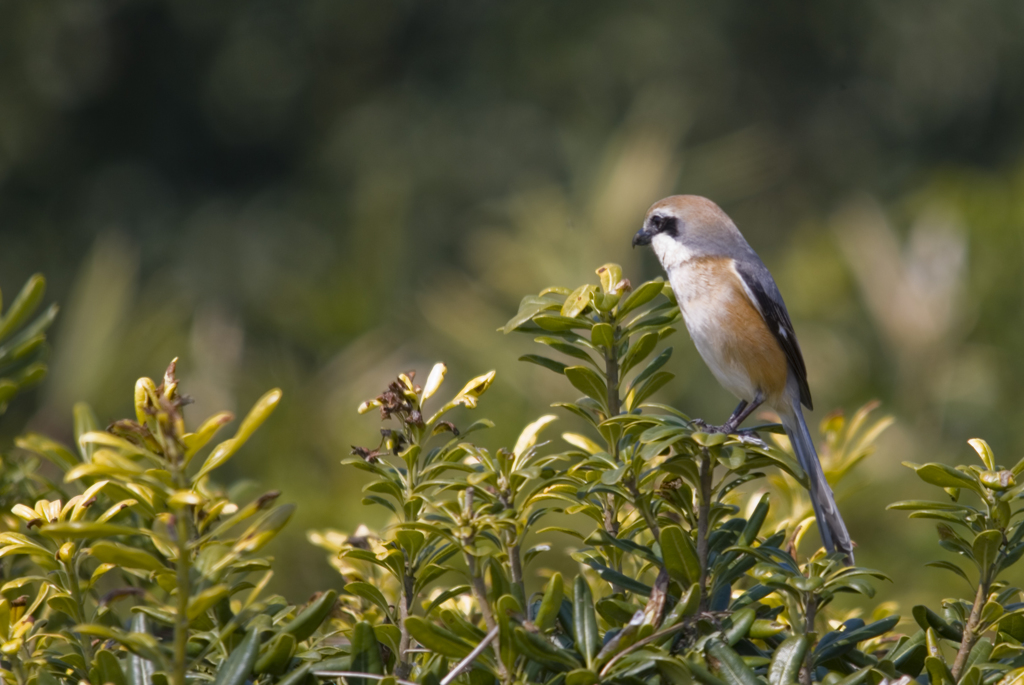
(747,436)
(702,425)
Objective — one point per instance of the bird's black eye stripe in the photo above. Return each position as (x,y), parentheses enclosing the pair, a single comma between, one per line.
(668,225)
(664,224)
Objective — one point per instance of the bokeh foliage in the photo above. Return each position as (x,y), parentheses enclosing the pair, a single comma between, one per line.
(288,194)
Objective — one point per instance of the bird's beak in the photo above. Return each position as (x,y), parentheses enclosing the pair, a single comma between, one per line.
(642,237)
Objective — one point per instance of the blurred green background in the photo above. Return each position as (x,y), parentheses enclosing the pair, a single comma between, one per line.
(317,194)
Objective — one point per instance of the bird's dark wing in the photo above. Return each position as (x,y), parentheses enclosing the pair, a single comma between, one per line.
(761,285)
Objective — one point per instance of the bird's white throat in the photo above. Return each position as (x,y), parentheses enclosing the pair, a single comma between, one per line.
(671,253)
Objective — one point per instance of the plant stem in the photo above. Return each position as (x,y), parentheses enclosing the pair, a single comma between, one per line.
(404,666)
(516,565)
(479,587)
(611,370)
(611,526)
(703,516)
(810,613)
(184,585)
(641,504)
(181,618)
(480,592)
(970,630)
(71,571)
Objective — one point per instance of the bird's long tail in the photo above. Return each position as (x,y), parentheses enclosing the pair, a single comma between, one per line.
(830,523)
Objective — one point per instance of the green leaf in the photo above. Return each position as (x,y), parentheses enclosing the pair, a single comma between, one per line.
(938,671)
(588,639)
(557,367)
(615,578)
(1014,677)
(582,676)
(764,628)
(276,654)
(63,603)
(602,537)
(589,382)
(365,653)
(754,523)
(140,670)
(985,452)
(24,304)
(729,665)
(603,335)
(703,675)
(108,668)
(371,593)
(944,476)
(986,549)
(788,658)
(857,677)
(639,351)
(259,413)
(198,604)
(641,296)
(565,348)
(50,450)
(578,300)
(848,640)
(310,618)
(991,611)
(537,648)
(686,606)
(127,557)
(927,505)
(197,440)
(650,386)
(445,596)
(736,626)
(437,639)
(926,618)
(560,324)
(550,603)
(610,275)
(87,529)
(530,306)
(972,676)
(237,667)
(680,555)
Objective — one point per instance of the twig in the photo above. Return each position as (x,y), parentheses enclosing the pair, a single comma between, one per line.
(810,615)
(477,651)
(404,666)
(970,631)
(357,674)
(611,370)
(703,516)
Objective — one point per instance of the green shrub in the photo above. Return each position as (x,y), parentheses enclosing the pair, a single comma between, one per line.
(693,558)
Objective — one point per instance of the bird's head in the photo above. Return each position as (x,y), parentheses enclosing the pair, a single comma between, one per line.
(681,227)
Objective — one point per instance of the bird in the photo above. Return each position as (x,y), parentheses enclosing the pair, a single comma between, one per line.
(740,326)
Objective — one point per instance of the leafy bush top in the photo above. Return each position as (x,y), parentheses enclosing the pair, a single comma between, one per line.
(134,567)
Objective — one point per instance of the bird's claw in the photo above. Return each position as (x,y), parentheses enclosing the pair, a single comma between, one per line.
(704,426)
(747,437)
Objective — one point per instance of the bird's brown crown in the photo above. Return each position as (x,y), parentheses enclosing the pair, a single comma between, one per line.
(695,223)
(699,215)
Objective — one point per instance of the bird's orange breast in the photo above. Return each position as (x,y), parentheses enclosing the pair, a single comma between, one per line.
(729,331)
